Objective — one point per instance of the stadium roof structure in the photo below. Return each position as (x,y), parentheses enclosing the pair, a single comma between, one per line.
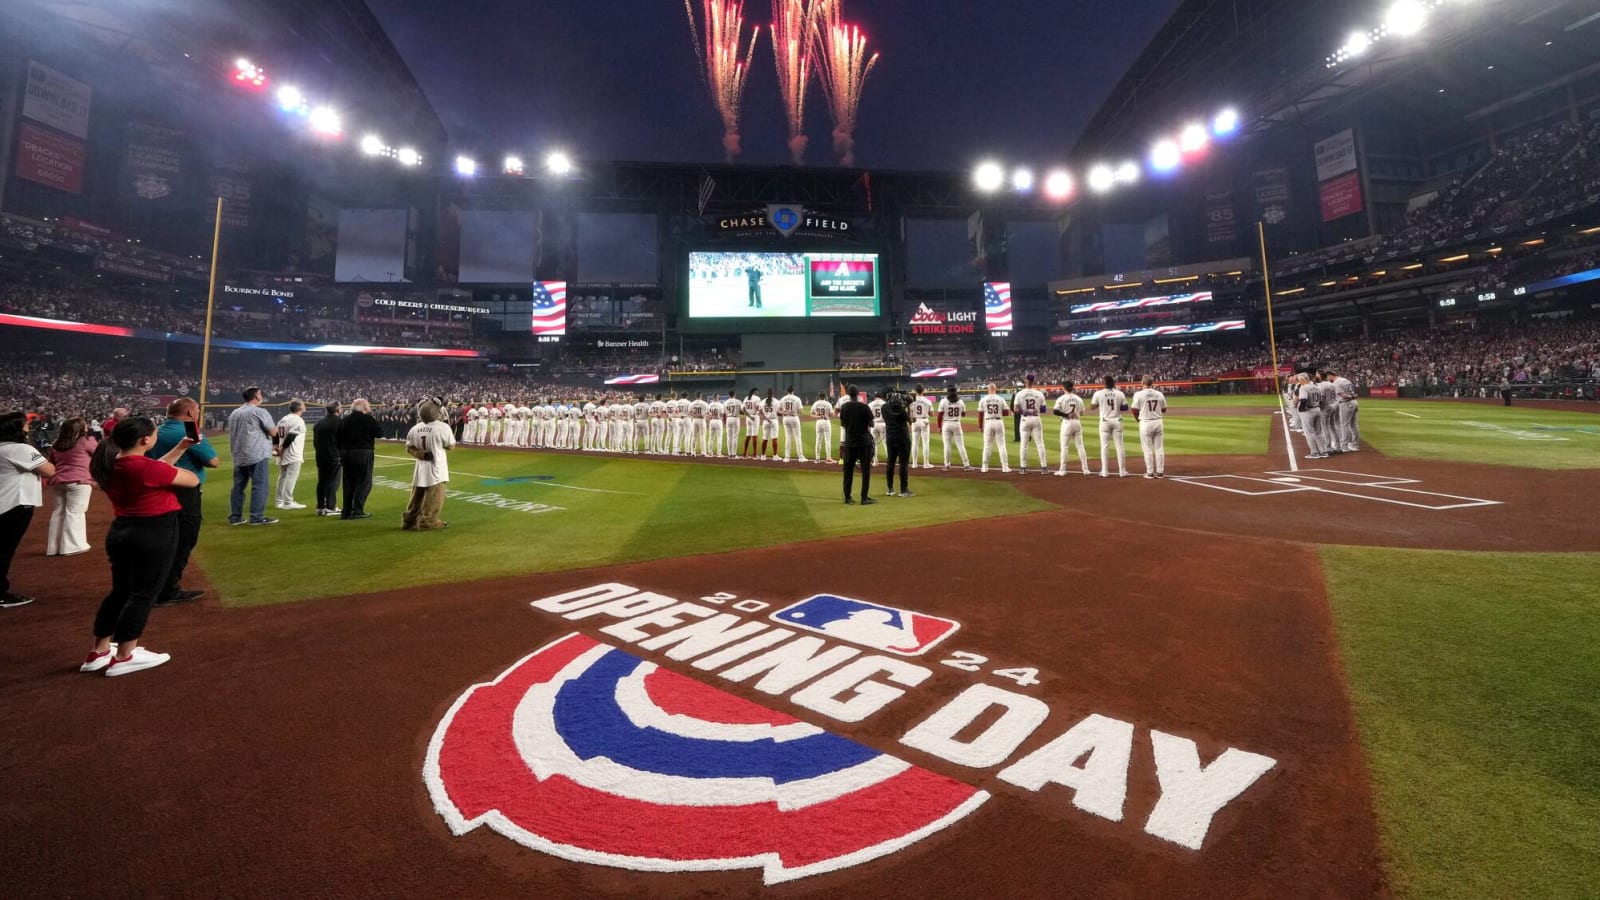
(1270,58)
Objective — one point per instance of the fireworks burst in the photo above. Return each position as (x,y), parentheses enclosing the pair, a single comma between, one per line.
(723,66)
(794,41)
(843,65)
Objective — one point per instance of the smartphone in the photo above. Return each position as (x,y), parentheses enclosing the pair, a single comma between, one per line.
(192,431)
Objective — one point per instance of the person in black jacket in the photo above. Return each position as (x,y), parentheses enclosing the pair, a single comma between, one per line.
(897,436)
(325,441)
(359,433)
(856,420)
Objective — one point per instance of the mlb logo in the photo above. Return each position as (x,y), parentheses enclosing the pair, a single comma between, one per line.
(887,628)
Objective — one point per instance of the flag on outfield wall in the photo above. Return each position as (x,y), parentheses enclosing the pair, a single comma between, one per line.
(549,308)
(997,306)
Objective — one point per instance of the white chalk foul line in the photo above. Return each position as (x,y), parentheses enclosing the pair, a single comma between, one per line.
(511,481)
(1411,415)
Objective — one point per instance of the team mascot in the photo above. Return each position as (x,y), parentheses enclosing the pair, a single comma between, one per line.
(429,443)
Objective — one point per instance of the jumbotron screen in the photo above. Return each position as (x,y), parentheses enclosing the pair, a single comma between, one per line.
(725,285)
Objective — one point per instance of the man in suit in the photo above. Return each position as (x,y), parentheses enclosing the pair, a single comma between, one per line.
(359,433)
(325,441)
(856,419)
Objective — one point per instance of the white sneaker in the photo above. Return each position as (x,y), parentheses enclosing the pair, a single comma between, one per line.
(95,662)
(292,506)
(140,660)
(984,470)
(1061,473)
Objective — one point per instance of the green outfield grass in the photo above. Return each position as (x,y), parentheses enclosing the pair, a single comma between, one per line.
(634,510)
(1473,680)
(1480,433)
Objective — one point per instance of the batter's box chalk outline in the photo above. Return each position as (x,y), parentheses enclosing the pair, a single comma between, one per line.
(1270,487)
(1346,476)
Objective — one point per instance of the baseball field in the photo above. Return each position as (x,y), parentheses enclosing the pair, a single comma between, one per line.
(1371,675)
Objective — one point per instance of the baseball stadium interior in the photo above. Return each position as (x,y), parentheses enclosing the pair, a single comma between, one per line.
(206,196)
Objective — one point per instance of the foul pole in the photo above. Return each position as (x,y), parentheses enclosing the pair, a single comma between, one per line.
(1272,339)
(211,302)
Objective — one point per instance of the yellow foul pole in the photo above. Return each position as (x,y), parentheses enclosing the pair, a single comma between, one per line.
(1272,338)
(211,302)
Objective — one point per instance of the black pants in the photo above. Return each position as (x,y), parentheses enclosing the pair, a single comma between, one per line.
(328,484)
(141,553)
(1505,397)
(357,480)
(188,535)
(858,455)
(899,452)
(13,525)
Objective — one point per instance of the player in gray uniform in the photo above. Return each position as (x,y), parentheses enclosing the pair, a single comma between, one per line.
(1330,413)
(1348,431)
(1289,398)
(1309,405)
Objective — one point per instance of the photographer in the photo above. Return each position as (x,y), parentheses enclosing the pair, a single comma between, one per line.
(855,418)
(897,435)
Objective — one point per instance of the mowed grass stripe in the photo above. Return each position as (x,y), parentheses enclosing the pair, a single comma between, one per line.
(1522,436)
(1473,681)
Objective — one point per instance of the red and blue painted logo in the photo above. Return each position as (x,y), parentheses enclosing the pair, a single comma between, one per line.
(588,753)
(891,629)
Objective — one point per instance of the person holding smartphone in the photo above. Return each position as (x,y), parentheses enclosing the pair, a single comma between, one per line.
(183,423)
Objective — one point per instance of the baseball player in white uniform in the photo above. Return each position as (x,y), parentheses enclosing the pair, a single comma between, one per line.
(697,426)
(1111,403)
(1031,406)
(575,425)
(838,407)
(921,411)
(1069,409)
(822,412)
(658,424)
(496,424)
(641,424)
(769,425)
(469,432)
(879,427)
(730,421)
(789,408)
(713,427)
(993,409)
(952,409)
(752,424)
(1150,408)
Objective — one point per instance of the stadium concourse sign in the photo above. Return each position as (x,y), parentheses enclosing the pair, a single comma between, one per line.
(930,322)
(785,218)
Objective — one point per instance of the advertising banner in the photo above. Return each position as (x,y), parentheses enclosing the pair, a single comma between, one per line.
(49,158)
(1336,155)
(152,161)
(56,100)
(1341,197)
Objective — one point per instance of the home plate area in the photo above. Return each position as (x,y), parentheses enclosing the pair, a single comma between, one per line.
(1393,489)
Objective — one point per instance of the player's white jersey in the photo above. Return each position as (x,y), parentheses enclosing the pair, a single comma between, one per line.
(993,407)
(658,409)
(1151,404)
(1030,402)
(697,409)
(952,410)
(877,411)
(789,406)
(731,407)
(921,409)
(641,410)
(1110,402)
(822,409)
(624,411)
(769,410)
(1070,405)
(589,410)
(752,407)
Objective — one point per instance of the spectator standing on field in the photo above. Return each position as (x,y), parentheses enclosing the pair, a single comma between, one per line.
(325,442)
(291,454)
(70,489)
(197,459)
(856,419)
(250,431)
(359,433)
(141,542)
(428,442)
(21,491)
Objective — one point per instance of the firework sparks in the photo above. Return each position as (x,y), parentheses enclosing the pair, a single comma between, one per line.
(794,37)
(723,66)
(843,66)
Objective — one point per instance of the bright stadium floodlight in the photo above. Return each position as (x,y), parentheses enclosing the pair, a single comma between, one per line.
(1355,45)
(1165,156)
(988,177)
(1127,173)
(1193,138)
(371,145)
(513,165)
(1225,122)
(1101,178)
(325,121)
(1022,180)
(408,156)
(1058,184)
(466,166)
(1405,18)
(558,163)
(290,100)
(248,74)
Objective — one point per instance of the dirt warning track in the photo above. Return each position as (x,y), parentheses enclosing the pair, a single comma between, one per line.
(283,752)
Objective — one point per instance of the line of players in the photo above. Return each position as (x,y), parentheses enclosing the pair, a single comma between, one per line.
(710,427)
(1323,407)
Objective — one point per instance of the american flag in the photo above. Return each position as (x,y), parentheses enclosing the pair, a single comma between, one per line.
(997,306)
(550,307)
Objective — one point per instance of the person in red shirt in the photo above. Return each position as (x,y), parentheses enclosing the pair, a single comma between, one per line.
(109,425)
(141,542)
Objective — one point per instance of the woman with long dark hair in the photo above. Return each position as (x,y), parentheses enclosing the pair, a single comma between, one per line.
(21,468)
(141,542)
(70,489)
